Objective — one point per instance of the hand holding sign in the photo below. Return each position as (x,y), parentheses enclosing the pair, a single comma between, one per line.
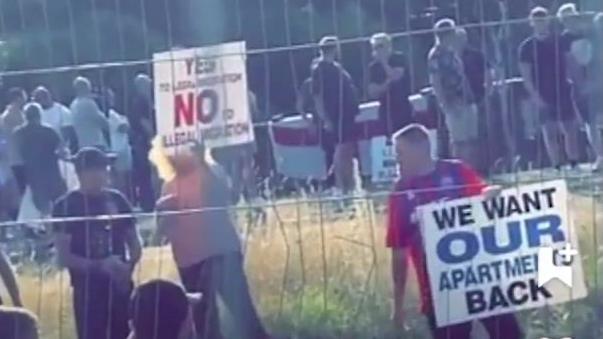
(483,254)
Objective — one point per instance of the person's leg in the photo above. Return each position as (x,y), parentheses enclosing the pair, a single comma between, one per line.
(233,289)
(463,125)
(118,318)
(249,177)
(344,167)
(328,145)
(503,327)
(458,331)
(571,130)
(198,279)
(19,174)
(551,135)
(91,309)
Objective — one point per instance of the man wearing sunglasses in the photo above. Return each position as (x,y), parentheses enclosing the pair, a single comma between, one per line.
(390,84)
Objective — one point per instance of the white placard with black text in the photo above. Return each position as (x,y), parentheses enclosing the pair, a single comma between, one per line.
(202,93)
(482,255)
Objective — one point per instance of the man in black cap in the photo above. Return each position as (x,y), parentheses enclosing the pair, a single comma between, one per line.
(100,252)
(543,67)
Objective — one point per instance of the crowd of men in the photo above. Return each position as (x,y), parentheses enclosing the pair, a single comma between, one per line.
(38,136)
(100,253)
(560,69)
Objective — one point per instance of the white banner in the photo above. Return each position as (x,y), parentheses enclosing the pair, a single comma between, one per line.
(202,93)
(384,167)
(483,256)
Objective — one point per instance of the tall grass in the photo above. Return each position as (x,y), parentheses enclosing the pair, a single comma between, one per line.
(318,277)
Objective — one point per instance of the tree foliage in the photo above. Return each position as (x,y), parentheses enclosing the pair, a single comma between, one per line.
(42,34)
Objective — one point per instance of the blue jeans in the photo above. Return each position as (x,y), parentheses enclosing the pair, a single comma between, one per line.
(503,326)
(222,276)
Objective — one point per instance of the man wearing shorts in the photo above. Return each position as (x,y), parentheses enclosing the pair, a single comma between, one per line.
(543,67)
(583,60)
(336,102)
(426,180)
(453,91)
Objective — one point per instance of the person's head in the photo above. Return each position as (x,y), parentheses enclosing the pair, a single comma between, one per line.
(143,84)
(160,309)
(92,168)
(17,323)
(82,86)
(540,21)
(17,97)
(569,16)
(180,161)
(445,32)
(381,44)
(413,148)
(329,47)
(42,96)
(462,38)
(33,113)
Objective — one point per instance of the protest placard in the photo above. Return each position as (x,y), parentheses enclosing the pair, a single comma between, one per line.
(384,167)
(483,255)
(202,93)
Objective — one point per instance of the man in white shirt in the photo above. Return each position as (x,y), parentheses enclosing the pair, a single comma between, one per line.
(56,116)
(89,122)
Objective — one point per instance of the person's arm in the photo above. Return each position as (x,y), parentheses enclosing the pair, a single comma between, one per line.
(378,84)
(67,259)
(10,281)
(435,80)
(438,89)
(398,239)
(134,244)
(133,241)
(69,138)
(399,277)
(317,94)
(525,69)
(98,116)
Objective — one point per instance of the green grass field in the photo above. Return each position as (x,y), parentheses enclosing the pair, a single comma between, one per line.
(330,281)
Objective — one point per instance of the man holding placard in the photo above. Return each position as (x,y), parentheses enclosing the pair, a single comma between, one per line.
(425,181)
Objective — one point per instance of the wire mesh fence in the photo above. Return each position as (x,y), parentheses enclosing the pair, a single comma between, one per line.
(316,261)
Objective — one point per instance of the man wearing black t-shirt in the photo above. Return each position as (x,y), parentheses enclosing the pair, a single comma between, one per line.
(100,253)
(390,84)
(580,37)
(336,103)
(543,68)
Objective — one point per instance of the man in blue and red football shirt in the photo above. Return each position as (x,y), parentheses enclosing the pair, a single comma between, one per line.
(425,180)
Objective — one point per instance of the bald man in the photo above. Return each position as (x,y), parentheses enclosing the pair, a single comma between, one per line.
(56,116)
(91,125)
(424,181)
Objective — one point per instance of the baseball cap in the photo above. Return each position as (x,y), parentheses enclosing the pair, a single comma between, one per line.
(567,10)
(539,12)
(158,309)
(328,41)
(89,158)
(445,25)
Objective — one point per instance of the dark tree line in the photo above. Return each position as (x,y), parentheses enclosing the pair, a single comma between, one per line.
(42,34)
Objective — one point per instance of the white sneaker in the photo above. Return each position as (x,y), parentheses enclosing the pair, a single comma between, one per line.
(598,164)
